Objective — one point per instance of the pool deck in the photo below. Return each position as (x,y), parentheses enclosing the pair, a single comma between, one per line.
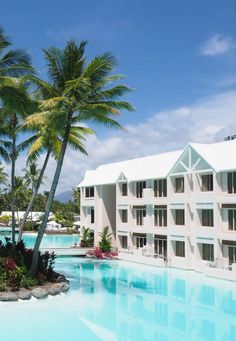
(67,251)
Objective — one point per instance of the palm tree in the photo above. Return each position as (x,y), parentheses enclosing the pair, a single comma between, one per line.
(48,139)
(14,63)
(31,176)
(3,175)
(77,92)
(32,173)
(10,147)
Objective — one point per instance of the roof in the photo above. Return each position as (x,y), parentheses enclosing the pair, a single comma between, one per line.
(221,156)
(149,167)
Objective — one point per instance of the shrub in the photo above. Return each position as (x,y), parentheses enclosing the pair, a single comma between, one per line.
(29,226)
(87,237)
(15,263)
(27,282)
(5,219)
(105,243)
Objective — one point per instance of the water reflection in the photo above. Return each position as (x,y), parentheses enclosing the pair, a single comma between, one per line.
(139,305)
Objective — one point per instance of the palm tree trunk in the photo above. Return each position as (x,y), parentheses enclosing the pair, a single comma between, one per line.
(34,265)
(30,205)
(13,165)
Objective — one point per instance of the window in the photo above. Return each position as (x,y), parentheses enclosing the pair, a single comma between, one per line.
(140,214)
(92,215)
(207,183)
(179,217)
(207,218)
(160,217)
(179,248)
(231,181)
(89,192)
(140,241)
(139,188)
(124,242)
(160,247)
(160,188)
(124,216)
(124,189)
(232,255)
(179,185)
(232,220)
(208,252)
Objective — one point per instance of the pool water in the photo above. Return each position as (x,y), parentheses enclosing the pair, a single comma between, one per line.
(49,240)
(118,301)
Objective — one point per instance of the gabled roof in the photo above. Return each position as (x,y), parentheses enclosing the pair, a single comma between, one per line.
(221,156)
(149,167)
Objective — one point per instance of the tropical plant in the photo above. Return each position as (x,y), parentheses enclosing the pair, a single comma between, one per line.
(76,93)
(76,199)
(3,175)
(14,63)
(14,100)
(10,147)
(15,261)
(105,243)
(47,138)
(32,175)
(87,237)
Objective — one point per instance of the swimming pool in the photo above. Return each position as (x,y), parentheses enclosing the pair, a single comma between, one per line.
(118,301)
(49,240)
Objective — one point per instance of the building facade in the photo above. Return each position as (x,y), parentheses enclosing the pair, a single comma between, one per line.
(176,208)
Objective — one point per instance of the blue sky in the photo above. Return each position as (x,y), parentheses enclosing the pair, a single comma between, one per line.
(174,53)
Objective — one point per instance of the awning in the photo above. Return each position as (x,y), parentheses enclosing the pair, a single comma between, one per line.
(178,206)
(228,205)
(160,236)
(139,234)
(203,240)
(141,207)
(229,242)
(177,238)
(159,207)
(204,206)
(122,233)
(122,207)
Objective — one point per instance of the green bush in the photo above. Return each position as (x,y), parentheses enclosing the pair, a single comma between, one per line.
(27,282)
(15,263)
(105,243)
(5,219)
(28,226)
(87,239)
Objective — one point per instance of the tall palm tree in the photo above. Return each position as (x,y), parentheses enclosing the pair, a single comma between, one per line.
(10,147)
(31,177)
(77,92)
(48,139)
(14,63)
(3,175)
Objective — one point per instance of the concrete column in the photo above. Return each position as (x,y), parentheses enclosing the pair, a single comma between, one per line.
(150,242)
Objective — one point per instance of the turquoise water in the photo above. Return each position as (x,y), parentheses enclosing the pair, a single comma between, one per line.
(117,301)
(50,240)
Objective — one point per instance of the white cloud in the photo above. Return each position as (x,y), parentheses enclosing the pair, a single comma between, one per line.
(209,120)
(217,45)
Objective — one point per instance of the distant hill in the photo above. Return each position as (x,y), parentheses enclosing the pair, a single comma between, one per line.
(64,196)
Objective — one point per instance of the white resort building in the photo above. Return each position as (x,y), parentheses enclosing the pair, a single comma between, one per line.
(176,209)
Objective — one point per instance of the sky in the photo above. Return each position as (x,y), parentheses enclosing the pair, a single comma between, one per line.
(179,56)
